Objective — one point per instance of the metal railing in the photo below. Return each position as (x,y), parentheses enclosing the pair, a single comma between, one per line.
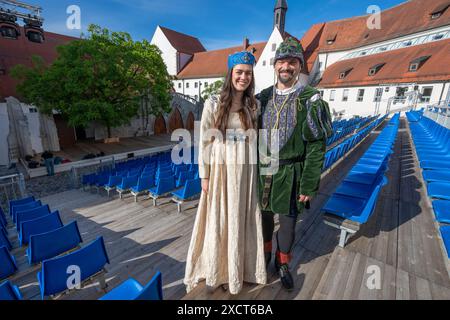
(12,187)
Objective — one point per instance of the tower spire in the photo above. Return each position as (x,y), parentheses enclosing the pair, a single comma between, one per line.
(280,10)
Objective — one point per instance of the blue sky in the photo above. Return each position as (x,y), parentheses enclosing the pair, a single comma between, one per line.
(217,23)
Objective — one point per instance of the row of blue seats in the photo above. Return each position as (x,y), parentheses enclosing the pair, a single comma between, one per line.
(432,144)
(157,178)
(356,197)
(337,152)
(48,248)
(348,128)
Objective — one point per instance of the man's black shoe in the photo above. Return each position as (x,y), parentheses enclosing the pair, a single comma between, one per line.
(285,276)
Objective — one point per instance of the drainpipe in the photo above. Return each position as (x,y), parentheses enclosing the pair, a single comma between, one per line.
(442,91)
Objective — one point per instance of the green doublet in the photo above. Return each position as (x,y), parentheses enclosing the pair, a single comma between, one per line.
(307,143)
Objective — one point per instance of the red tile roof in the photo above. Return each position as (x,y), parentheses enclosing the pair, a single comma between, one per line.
(214,63)
(20,51)
(407,18)
(183,42)
(395,69)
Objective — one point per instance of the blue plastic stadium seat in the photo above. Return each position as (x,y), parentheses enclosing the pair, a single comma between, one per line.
(192,188)
(445,233)
(133,290)
(442,210)
(436,175)
(7,263)
(439,190)
(53,243)
(24,207)
(4,241)
(435,165)
(163,186)
(9,292)
(36,213)
(13,203)
(354,209)
(37,226)
(90,259)
(3,221)
(144,183)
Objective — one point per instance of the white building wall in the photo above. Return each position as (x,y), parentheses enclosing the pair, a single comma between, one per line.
(368,106)
(264,71)
(4,129)
(169,54)
(187,86)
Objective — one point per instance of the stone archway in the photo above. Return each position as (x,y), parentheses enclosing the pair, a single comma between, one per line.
(190,121)
(160,125)
(175,120)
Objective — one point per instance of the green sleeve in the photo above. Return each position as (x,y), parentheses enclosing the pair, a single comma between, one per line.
(314,159)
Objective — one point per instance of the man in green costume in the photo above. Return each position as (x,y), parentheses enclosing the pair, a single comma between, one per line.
(298,123)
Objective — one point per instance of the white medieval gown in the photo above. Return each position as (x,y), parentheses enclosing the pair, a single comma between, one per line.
(227,245)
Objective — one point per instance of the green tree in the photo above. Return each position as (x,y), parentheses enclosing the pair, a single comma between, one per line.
(100,78)
(212,89)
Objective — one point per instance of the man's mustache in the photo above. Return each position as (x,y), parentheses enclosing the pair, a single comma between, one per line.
(288,71)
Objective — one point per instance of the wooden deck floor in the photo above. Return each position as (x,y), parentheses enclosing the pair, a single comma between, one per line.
(401,238)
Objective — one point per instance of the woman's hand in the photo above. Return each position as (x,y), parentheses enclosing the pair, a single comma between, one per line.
(205,185)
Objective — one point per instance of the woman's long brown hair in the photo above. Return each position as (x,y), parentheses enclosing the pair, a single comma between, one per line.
(247,114)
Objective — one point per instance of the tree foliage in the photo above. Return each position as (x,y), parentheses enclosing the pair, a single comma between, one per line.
(100,78)
(212,89)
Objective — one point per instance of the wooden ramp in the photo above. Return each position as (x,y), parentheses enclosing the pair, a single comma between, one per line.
(401,240)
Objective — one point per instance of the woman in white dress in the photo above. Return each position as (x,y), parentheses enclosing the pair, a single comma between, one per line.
(227,246)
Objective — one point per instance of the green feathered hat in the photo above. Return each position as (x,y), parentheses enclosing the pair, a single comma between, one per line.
(290,48)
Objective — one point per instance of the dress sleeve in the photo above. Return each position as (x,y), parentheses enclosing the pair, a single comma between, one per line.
(203,155)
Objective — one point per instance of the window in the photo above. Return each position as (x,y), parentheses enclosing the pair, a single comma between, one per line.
(179,85)
(439,10)
(375,69)
(413,67)
(344,73)
(438,36)
(274,47)
(407,43)
(417,63)
(400,93)
(360,96)
(426,94)
(378,94)
(33,110)
(264,63)
(271,61)
(332,95)
(206,84)
(331,38)
(386,89)
(321,93)
(345,95)
(383,48)
(195,84)
(187,85)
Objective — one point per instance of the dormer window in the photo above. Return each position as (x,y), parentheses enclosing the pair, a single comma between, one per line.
(375,69)
(363,53)
(439,11)
(407,43)
(331,38)
(438,36)
(344,73)
(383,48)
(417,63)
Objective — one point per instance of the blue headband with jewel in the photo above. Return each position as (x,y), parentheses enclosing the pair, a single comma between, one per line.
(243,57)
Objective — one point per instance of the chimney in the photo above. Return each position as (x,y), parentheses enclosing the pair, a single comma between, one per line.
(246,43)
